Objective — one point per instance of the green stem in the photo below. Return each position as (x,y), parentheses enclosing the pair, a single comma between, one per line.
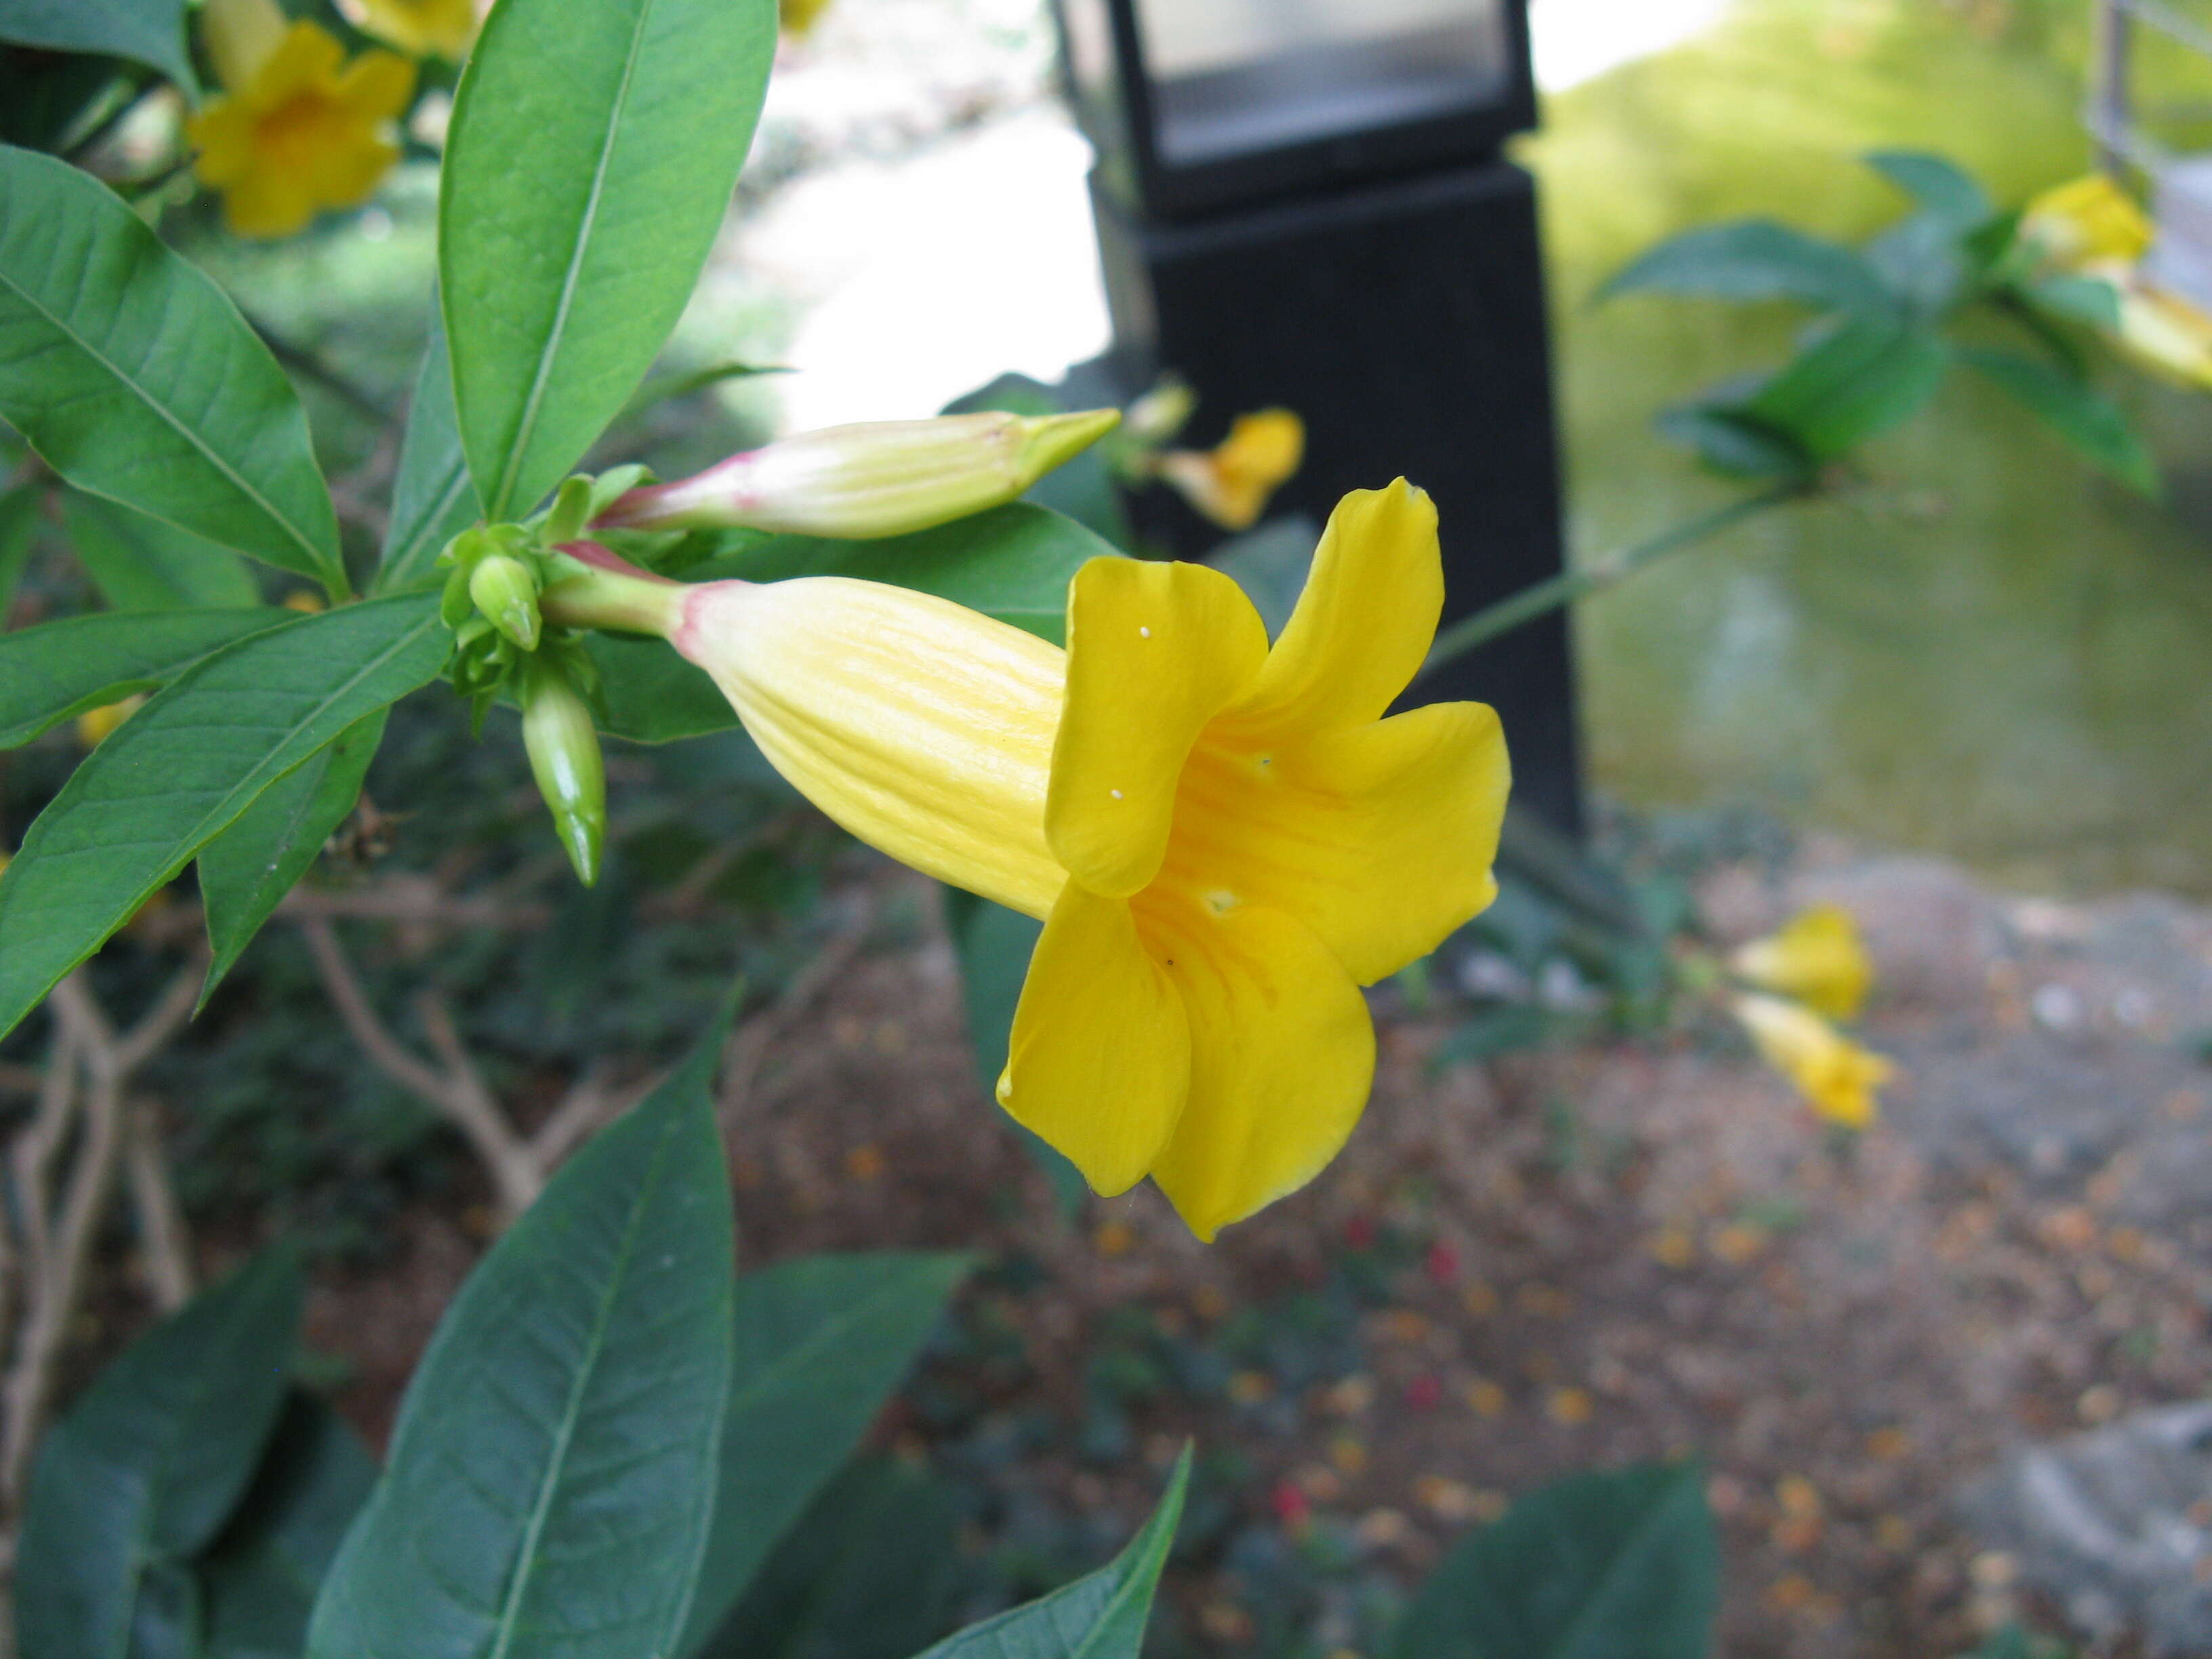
(1548,595)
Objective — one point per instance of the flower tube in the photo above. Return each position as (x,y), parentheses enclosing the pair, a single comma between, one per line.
(1225,840)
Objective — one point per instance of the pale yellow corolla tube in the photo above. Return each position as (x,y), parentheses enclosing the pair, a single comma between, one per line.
(1225,841)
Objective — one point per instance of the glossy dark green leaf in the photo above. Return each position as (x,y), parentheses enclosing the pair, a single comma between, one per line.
(2077,412)
(20,518)
(1013,562)
(594,149)
(1754,259)
(146,1468)
(1940,186)
(432,500)
(1733,444)
(183,768)
(871,1571)
(821,1342)
(994,944)
(1866,377)
(58,669)
(260,1579)
(1597,1567)
(139,563)
(149,32)
(136,379)
(553,1472)
(1100,1616)
(245,871)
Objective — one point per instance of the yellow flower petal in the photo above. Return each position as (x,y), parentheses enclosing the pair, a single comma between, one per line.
(307,60)
(1378,837)
(1836,1076)
(223,133)
(1817,958)
(923,727)
(2089,219)
(1282,1057)
(1101,1054)
(1154,651)
(1231,483)
(419,27)
(268,203)
(375,86)
(241,35)
(1363,626)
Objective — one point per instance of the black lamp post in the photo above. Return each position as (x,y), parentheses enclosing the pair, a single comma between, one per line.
(1303,203)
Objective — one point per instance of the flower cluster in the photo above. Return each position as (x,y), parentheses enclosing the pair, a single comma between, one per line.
(1811,972)
(1225,840)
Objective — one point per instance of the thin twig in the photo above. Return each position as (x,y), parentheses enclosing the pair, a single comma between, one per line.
(163,1236)
(458,1091)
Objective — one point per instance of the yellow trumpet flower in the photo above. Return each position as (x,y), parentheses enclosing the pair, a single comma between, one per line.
(1836,1076)
(421,28)
(1231,483)
(297,129)
(2087,221)
(1817,958)
(1225,841)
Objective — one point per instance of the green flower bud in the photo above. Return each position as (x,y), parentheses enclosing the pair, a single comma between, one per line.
(565,759)
(505,590)
(878,478)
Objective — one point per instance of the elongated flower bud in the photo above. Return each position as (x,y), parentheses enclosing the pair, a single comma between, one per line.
(878,478)
(565,759)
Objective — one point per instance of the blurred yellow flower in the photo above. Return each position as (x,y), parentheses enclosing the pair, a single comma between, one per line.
(1225,841)
(1836,1076)
(1818,959)
(96,726)
(2087,222)
(297,129)
(2166,334)
(1231,483)
(797,17)
(421,28)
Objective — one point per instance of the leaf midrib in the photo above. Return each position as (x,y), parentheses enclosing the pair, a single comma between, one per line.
(572,1410)
(315,556)
(526,426)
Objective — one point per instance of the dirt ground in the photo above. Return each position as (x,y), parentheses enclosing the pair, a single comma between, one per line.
(1571,1258)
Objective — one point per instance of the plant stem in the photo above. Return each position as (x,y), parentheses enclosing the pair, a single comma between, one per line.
(1548,595)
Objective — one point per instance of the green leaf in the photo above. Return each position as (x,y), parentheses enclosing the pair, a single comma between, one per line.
(58,669)
(1755,259)
(1013,562)
(871,1572)
(552,1476)
(431,500)
(2084,417)
(245,871)
(149,32)
(136,379)
(1482,1037)
(2090,299)
(143,1472)
(20,518)
(258,1580)
(994,944)
(1925,262)
(140,563)
(1858,382)
(594,149)
(820,1344)
(1941,187)
(1594,1567)
(1733,444)
(1099,1616)
(183,768)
